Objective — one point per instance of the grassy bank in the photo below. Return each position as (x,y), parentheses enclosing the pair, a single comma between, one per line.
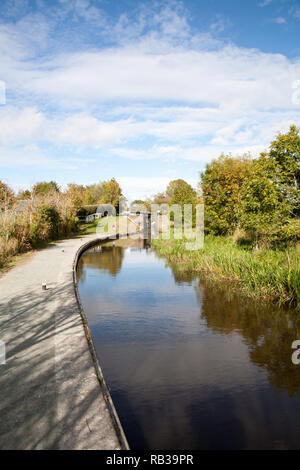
(106,223)
(265,273)
(87,228)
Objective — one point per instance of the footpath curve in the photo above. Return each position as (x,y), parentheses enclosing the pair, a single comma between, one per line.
(53,394)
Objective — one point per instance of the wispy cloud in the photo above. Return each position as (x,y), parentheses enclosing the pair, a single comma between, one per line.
(264,3)
(279,20)
(220,24)
(294,12)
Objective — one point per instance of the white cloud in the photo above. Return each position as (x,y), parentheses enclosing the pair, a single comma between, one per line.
(25,125)
(149,66)
(228,78)
(152,66)
(220,24)
(85,130)
(193,134)
(279,20)
(264,3)
(201,154)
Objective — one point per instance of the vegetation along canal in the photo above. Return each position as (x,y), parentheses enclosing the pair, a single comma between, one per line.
(189,366)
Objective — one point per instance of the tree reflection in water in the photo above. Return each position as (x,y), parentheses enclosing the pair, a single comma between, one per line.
(111,258)
(267,330)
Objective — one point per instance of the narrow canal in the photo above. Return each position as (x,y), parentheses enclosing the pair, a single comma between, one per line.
(189,365)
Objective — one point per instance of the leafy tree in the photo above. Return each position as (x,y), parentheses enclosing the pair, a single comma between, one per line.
(284,154)
(161,198)
(221,184)
(138,201)
(139,204)
(94,193)
(42,188)
(271,195)
(180,192)
(77,195)
(111,193)
(261,196)
(172,186)
(285,151)
(264,206)
(24,194)
(7,196)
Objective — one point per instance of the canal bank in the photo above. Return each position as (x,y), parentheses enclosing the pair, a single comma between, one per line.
(51,395)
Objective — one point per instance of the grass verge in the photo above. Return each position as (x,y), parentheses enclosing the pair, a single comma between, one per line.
(106,224)
(267,274)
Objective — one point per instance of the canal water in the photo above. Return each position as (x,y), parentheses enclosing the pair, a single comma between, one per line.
(189,364)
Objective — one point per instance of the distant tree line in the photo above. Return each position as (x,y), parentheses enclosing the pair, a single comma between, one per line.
(46,212)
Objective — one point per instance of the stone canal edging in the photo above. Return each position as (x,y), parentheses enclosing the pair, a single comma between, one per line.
(112,410)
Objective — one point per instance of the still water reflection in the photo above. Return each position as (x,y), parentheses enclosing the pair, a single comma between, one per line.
(188,365)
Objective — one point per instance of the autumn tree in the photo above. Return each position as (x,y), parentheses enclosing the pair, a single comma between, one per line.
(140,205)
(24,194)
(77,195)
(94,193)
(111,193)
(161,198)
(7,196)
(222,183)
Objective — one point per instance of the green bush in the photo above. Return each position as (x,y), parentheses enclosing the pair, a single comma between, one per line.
(49,216)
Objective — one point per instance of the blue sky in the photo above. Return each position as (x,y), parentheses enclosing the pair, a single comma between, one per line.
(143,91)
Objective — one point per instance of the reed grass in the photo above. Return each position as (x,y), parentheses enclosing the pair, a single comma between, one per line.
(268,274)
